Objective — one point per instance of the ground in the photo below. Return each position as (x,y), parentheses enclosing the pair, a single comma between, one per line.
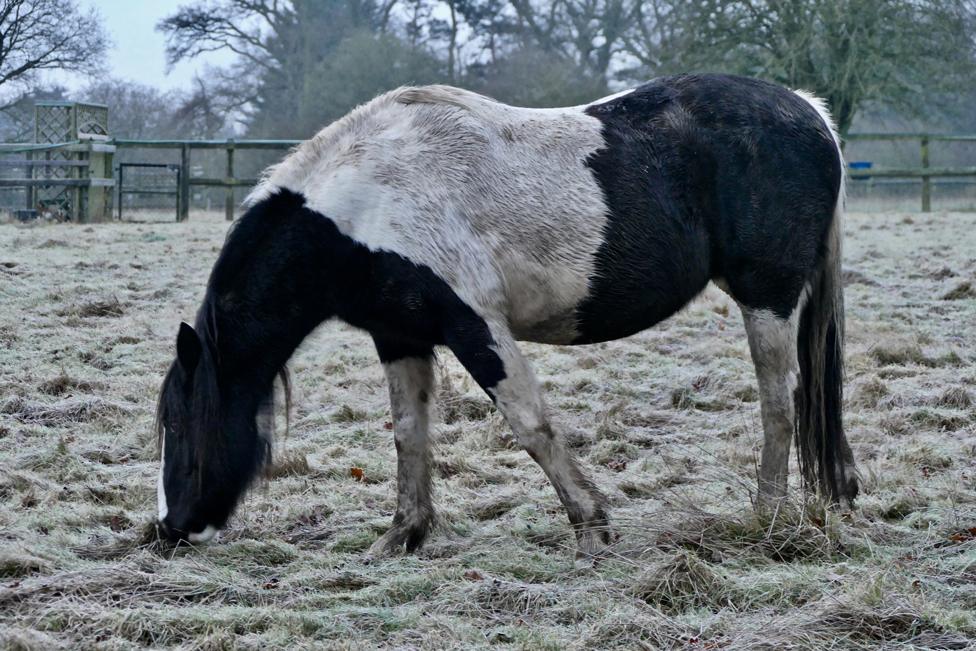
(666,421)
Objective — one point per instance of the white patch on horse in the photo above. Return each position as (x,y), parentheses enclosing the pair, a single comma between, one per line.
(497,200)
(204,536)
(773,344)
(519,399)
(609,98)
(160,486)
(722,284)
(411,383)
(820,106)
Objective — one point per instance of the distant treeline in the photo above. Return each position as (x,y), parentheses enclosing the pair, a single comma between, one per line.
(303,63)
(306,62)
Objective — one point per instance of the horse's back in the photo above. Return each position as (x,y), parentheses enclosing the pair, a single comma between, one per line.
(497,200)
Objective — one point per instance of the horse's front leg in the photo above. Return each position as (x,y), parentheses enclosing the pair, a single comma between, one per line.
(409,372)
(490,354)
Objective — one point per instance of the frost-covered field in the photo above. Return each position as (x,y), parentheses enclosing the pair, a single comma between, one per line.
(666,421)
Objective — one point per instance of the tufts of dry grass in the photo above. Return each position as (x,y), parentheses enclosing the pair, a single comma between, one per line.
(667,422)
(65,384)
(902,353)
(961,291)
(682,582)
(62,412)
(955,398)
(288,465)
(100,308)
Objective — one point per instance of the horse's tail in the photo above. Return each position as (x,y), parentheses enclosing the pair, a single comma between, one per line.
(825,456)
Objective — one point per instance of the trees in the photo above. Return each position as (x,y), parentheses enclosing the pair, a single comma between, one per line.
(305,61)
(851,52)
(281,46)
(38,35)
(361,66)
(139,111)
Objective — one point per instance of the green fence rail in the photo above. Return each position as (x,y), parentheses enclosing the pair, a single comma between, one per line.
(924,172)
(229,181)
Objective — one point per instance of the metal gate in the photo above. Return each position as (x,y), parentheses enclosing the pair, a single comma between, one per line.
(145,184)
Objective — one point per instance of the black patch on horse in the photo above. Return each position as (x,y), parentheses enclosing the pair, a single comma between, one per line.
(707,176)
(405,306)
(283,270)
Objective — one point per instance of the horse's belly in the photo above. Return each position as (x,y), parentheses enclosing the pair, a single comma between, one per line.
(572,303)
(542,305)
(585,323)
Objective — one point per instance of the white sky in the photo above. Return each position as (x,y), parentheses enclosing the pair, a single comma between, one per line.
(138,50)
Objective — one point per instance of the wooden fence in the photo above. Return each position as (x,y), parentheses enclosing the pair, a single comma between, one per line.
(76,173)
(924,172)
(230,181)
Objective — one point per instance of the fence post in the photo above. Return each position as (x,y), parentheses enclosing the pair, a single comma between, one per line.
(29,190)
(229,191)
(121,181)
(98,196)
(926,180)
(184,211)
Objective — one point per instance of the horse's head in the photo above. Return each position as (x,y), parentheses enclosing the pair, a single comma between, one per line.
(268,289)
(211,439)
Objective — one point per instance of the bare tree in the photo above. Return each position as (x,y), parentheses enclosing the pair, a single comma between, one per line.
(245,27)
(855,53)
(278,42)
(38,35)
(137,110)
(586,32)
(17,116)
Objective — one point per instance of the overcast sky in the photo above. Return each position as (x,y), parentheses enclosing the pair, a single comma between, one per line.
(138,50)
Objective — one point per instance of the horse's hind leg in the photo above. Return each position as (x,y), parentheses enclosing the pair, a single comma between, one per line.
(496,363)
(409,372)
(772,341)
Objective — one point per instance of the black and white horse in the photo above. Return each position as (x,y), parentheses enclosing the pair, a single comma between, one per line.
(434,216)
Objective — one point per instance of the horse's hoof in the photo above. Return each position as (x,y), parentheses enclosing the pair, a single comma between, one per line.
(398,539)
(386,545)
(588,560)
(592,547)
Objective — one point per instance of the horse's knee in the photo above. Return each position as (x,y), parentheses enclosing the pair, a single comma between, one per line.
(536,438)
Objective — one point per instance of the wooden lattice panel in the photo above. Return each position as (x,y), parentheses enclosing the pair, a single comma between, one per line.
(66,122)
(53,122)
(92,122)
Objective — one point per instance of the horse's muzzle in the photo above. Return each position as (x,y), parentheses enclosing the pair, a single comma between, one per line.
(171,534)
(175,535)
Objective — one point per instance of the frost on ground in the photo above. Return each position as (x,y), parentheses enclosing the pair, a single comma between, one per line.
(667,422)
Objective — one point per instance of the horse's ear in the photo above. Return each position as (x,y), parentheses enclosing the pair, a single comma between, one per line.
(188,348)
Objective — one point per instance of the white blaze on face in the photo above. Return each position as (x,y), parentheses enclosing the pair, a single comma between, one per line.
(160,488)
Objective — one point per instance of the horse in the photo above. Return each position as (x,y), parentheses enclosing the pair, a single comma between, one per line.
(434,216)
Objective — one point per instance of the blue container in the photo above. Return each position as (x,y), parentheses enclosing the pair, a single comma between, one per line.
(860,165)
